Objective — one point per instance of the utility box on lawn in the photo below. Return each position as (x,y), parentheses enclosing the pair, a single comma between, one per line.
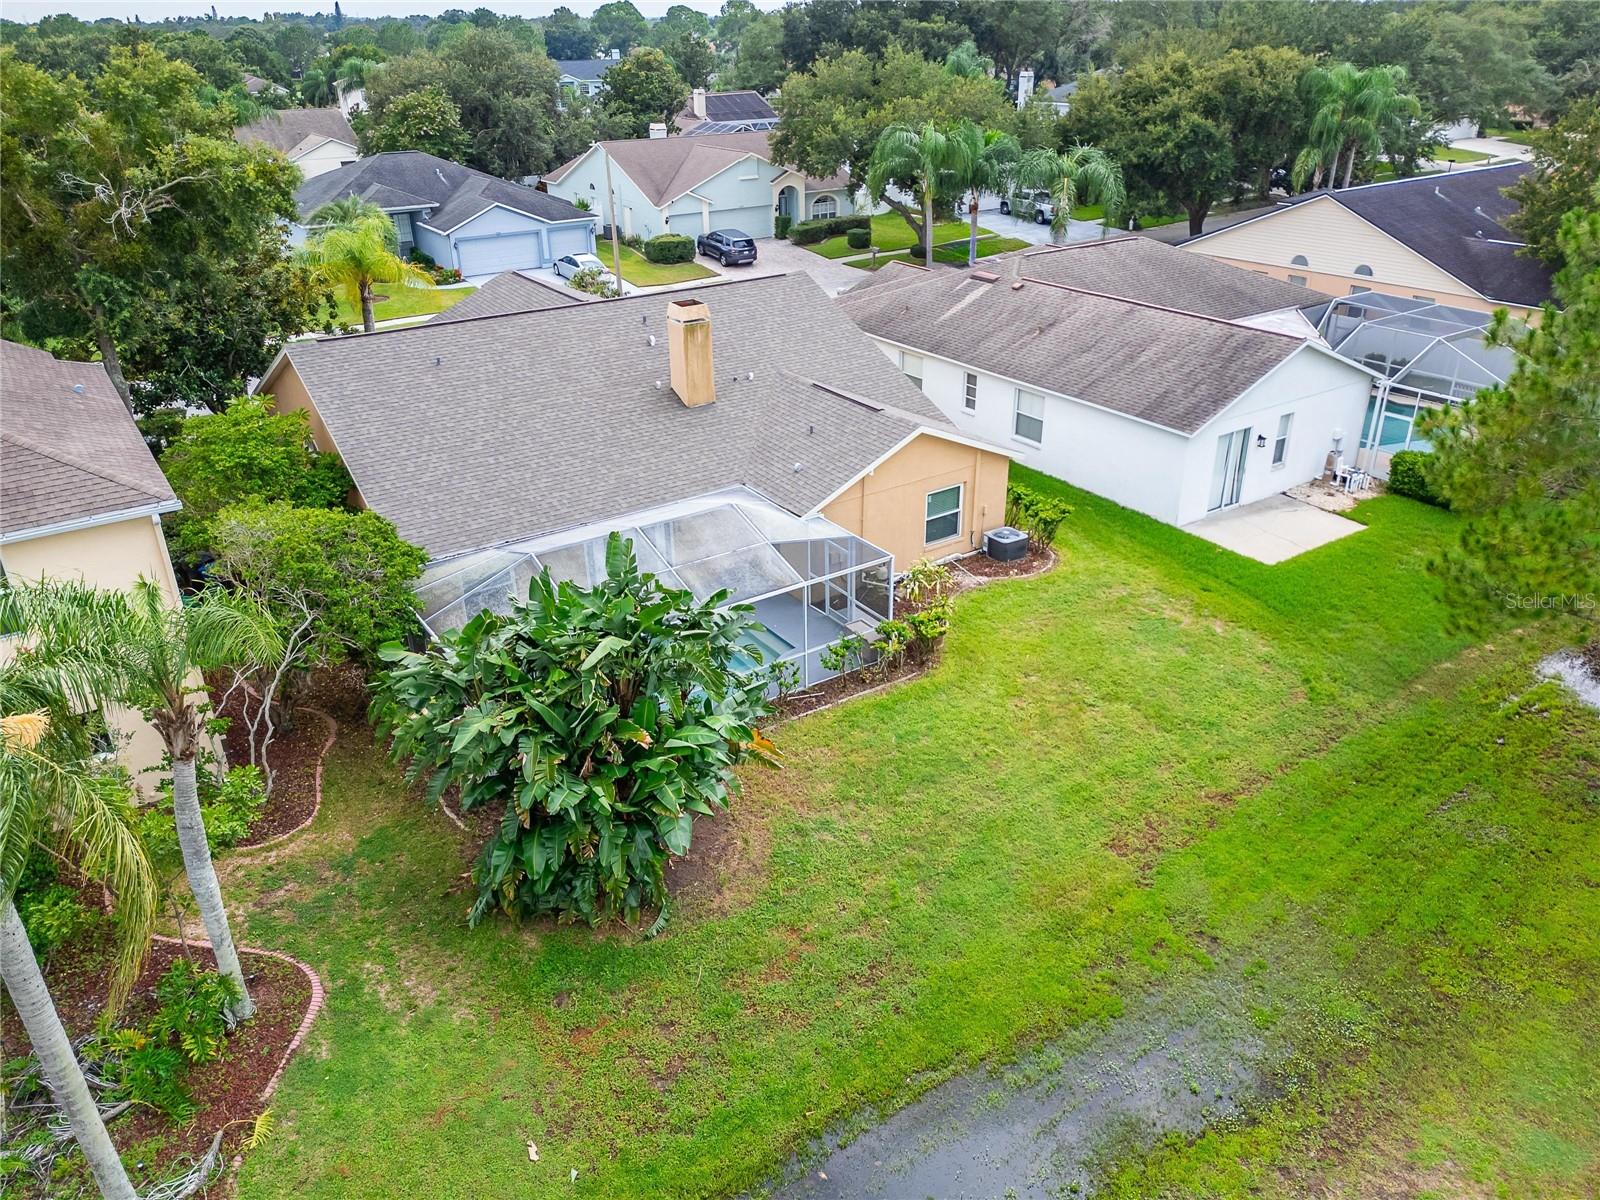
(1005,544)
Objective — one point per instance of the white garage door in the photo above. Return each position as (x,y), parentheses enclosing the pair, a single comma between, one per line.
(757,222)
(491,255)
(568,239)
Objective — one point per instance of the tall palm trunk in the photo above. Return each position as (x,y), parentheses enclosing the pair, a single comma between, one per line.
(26,984)
(972,235)
(203,878)
(927,224)
(367,321)
(1350,165)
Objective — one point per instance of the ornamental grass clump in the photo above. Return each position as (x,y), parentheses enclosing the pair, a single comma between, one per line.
(603,721)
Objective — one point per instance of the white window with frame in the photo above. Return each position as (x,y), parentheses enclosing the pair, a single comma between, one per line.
(825,206)
(911,365)
(1028,421)
(969,393)
(1280,444)
(943,515)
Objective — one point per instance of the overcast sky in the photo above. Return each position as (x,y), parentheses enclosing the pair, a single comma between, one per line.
(156,10)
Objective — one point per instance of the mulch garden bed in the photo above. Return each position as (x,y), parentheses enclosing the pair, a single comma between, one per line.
(294,754)
(843,687)
(1034,562)
(225,1091)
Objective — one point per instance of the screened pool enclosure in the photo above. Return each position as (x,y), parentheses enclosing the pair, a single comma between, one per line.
(1429,355)
(810,582)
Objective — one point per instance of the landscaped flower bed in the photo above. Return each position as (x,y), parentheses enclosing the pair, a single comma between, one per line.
(226,1092)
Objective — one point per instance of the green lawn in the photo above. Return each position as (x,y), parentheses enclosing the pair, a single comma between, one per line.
(1451,154)
(1158,765)
(948,252)
(402,302)
(890,232)
(1097,212)
(1519,136)
(641,272)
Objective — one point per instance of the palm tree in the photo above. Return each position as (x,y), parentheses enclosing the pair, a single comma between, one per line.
(316,86)
(358,249)
(1353,111)
(138,649)
(917,161)
(1080,175)
(50,795)
(992,158)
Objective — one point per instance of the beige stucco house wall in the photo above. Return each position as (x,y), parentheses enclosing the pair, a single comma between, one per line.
(888,505)
(113,556)
(1335,241)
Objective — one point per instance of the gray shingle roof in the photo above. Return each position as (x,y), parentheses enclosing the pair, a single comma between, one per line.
(287,129)
(664,168)
(1456,222)
(1173,369)
(69,451)
(468,433)
(508,292)
(585,68)
(1152,272)
(408,178)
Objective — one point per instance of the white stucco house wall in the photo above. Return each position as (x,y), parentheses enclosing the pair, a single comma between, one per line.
(317,140)
(1173,412)
(692,185)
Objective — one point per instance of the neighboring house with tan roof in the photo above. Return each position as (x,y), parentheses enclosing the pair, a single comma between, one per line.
(1169,383)
(744,435)
(1438,239)
(692,185)
(80,497)
(316,140)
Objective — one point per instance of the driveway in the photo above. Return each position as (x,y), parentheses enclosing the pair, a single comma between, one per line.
(775,257)
(1498,147)
(990,217)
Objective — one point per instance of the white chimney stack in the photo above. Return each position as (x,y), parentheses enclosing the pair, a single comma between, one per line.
(614,54)
(697,103)
(658,129)
(1024,86)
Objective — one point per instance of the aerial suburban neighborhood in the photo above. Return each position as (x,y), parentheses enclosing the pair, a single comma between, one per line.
(800,599)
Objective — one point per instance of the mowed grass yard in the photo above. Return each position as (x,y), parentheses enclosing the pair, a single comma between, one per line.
(1159,764)
(641,272)
(889,233)
(401,301)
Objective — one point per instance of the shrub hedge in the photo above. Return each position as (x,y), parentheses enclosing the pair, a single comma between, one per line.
(669,248)
(1408,476)
(807,232)
(858,239)
(781,224)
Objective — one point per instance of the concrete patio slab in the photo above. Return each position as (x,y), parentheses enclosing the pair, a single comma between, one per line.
(1273,529)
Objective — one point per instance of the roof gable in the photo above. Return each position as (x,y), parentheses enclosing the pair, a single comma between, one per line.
(525,434)
(289,129)
(412,179)
(1158,365)
(69,451)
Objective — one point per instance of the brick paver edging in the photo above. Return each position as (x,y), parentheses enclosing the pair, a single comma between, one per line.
(316,801)
(318,996)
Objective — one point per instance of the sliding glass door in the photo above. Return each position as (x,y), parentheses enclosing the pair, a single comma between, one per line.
(1227,477)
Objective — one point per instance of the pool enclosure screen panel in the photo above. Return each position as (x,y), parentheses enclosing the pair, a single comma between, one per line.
(731,542)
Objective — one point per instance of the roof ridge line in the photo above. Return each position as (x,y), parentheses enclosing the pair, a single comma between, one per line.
(68,460)
(1181,312)
(580,306)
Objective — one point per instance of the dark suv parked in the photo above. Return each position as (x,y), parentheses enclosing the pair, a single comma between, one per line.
(727,246)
